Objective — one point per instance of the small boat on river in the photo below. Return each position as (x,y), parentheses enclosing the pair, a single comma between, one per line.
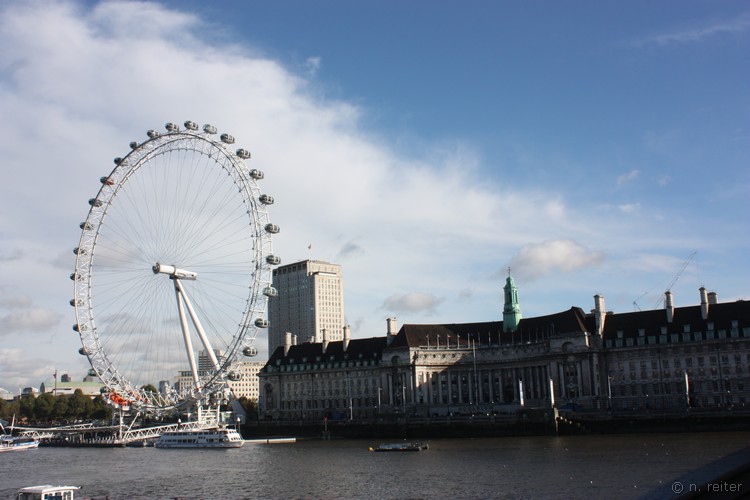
(47,492)
(405,446)
(9,442)
(17,443)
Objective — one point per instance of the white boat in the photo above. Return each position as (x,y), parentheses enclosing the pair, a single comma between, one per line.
(47,492)
(216,437)
(16,443)
(9,442)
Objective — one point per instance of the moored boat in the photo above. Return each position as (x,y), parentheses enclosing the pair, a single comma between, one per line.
(47,492)
(17,443)
(216,437)
(405,446)
(9,442)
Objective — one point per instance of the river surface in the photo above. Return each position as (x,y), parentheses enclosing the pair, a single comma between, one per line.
(591,466)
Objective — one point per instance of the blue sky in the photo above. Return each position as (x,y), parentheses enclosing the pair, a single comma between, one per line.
(424,146)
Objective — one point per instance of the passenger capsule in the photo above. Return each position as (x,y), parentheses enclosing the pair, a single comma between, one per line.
(250,351)
(270,291)
(83,352)
(261,323)
(171,127)
(243,153)
(227,139)
(117,160)
(209,129)
(272,228)
(191,125)
(273,260)
(106,181)
(79,251)
(84,225)
(256,174)
(234,377)
(72,276)
(133,145)
(75,328)
(92,373)
(95,203)
(266,199)
(153,134)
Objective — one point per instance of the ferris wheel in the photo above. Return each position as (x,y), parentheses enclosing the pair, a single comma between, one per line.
(173,269)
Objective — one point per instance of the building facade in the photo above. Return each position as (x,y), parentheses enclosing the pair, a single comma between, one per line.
(666,360)
(242,378)
(309,303)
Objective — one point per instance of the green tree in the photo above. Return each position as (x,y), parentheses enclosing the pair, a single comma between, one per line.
(44,407)
(80,405)
(26,407)
(150,388)
(60,410)
(100,409)
(4,406)
(250,405)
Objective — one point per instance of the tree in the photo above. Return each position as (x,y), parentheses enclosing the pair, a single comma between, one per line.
(150,388)
(79,405)
(250,405)
(26,406)
(101,410)
(60,410)
(44,406)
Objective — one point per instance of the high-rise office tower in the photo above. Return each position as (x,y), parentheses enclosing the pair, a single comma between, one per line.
(310,300)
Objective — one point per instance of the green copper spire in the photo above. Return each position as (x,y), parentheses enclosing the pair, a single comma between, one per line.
(511,310)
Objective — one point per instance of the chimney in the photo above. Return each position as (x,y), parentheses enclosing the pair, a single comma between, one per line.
(669,306)
(599,314)
(704,302)
(325,340)
(391,329)
(347,337)
(294,340)
(712,298)
(287,342)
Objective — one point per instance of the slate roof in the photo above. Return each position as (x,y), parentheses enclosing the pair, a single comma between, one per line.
(371,348)
(720,315)
(491,332)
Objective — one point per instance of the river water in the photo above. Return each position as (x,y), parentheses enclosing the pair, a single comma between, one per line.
(591,466)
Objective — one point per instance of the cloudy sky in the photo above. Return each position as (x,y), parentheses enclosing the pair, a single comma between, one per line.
(593,147)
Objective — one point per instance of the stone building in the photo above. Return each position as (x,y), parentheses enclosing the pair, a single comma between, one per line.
(309,300)
(667,359)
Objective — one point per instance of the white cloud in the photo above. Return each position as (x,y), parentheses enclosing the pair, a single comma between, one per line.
(538,259)
(737,25)
(629,208)
(29,320)
(628,177)
(312,64)
(412,302)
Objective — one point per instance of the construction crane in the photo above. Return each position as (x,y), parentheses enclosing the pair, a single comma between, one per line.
(676,277)
(636,307)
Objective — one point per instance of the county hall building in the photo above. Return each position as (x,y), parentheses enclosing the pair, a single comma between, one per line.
(665,360)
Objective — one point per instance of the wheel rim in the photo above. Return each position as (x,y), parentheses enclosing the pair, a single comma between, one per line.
(182,199)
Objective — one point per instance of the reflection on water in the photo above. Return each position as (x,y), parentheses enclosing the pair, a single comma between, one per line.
(611,466)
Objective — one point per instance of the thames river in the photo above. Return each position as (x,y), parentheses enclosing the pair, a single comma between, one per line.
(591,466)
